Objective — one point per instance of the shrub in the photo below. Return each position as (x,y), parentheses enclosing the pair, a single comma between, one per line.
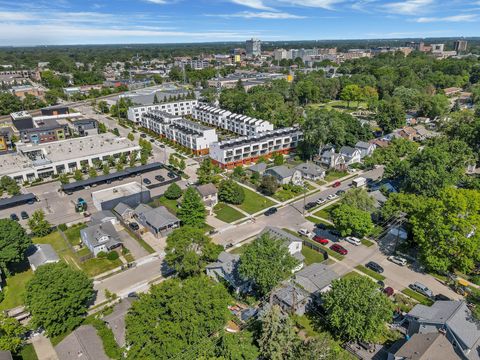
(112,255)
(102,255)
(2,296)
(62,227)
(231,192)
(173,192)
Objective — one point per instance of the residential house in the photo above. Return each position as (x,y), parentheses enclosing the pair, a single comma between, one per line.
(293,243)
(209,195)
(116,320)
(124,211)
(102,217)
(285,175)
(311,171)
(379,198)
(258,168)
(82,344)
(291,298)
(226,269)
(331,159)
(41,254)
(365,148)
(423,347)
(351,155)
(101,237)
(159,221)
(316,278)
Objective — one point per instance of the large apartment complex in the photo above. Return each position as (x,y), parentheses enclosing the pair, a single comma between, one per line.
(239,124)
(245,150)
(190,134)
(178,108)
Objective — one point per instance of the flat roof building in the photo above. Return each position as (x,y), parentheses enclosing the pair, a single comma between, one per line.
(179,108)
(130,194)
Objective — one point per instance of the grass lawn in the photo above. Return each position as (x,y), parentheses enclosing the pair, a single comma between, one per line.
(416,296)
(370,273)
(227,213)
(311,256)
(367,243)
(254,202)
(60,246)
(351,274)
(96,266)
(73,234)
(239,250)
(403,302)
(318,221)
(334,175)
(27,353)
(326,211)
(171,205)
(14,290)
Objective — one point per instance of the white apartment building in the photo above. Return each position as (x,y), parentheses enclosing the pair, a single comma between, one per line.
(239,124)
(179,108)
(245,150)
(185,132)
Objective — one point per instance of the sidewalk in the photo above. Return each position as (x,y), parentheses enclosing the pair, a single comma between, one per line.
(44,348)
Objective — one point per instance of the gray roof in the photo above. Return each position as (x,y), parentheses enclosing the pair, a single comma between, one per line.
(362,145)
(379,197)
(207,190)
(227,267)
(42,254)
(101,216)
(258,167)
(158,217)
(286,294)
(122,208)
(424,347)
(83,344)
(347,150)
(315,277)
(95,232)
(278,233)
(281,171)
(310,169)
(116,320)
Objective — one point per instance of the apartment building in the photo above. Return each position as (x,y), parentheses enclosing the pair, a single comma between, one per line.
(246,150)
(185,132)
(178,108)
(239,124)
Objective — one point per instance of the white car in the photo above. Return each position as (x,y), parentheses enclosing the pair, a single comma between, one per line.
(321,201)
(305,232)
(353,240)
(398,260)
(332,196)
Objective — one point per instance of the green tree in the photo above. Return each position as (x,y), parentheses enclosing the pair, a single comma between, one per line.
(63,178)
(11,332)
(173,192)
(266,262)
(239,346)
(239,171)
(390,115)
(231,192)
(207,171)
(92,172)
(187,312)
(102,107)
(351,93)
(38,224)
(13,243)
(78,175)
(192,211)
(106,169)
(278,159)
(102,128)
(269,185)
(57,297)
(352,221)
(9,185)
(182,165)
(130,136)
(189,250)
(172,160)
(356,310)
(436,105)
(360,199)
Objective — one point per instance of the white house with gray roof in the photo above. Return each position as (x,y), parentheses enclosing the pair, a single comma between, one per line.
(285,175)
(226,269)
(82,344)
(365,148)
(41,254)
(100,237)
(293,243)
(159,221)
(311,171)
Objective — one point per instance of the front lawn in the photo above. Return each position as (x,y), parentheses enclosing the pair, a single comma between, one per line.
(369,272)
(14,291)
(325,213)
(73,234)
(97,266)
(227,213)
(417,296)
(311,256)
(27,353)
(254,202)
(334,175)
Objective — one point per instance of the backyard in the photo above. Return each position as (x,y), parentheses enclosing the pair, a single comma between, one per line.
(227,213)
(254,202)
(14,290)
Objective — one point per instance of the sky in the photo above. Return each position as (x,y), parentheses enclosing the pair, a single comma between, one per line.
(62,22)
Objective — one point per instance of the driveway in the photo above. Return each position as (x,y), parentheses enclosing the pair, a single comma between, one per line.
(131,244)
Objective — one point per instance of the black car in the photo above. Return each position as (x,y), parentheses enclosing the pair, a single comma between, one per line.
(441,297)
(321,226)
(271,211)
(159,178)
(146,181)
(134,226)
(340,192)
(14,217)
(310,205)
(152,140)
(372,265)
(24,215)
(171,175)
(142,135)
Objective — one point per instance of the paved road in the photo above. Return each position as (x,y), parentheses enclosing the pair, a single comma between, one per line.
(43,347)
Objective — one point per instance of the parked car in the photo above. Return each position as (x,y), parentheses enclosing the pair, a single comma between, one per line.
(14,217)
(381,284)
(305,232)
(388,291)
(310,205)
(422,289)
(336,184)
(146,181)
(332,196)
(159,178)
(143,136)
(340,192)
(152,140)
(171,175)
(398,260)
(320,240)
(321,201)
(353,240)
(24,215)
(270,211)
(372,265)
(134,226)
(339,249)
(441,297)
(321,226)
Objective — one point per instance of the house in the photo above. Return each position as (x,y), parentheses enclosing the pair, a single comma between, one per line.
(380,143)
(258,168)
(311,171)
(293,243)
(159,221)
(102,217)
(379,198)
(100,237)
(116,320)
(226,269)
(285,175)
(209,195)
(82,344)
(124,211)
(291,298)
(41,254)
(454,320)
(365,148)
(328,157)
(316,278)
(351,155)
(423,347)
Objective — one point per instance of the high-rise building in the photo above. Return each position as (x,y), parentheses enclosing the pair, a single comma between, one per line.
(253,47)
(279,54)
(460,45)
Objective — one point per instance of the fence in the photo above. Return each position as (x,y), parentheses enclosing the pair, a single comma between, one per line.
(316,248)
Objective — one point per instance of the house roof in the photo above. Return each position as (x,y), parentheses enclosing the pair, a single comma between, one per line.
(227,266)
(310,169)
(362,145)
(278,233)
(94,234)
(315,277)
(101,216)
(41,254)
(258,167)
(207,190)
(81,344)
(347,150)
(290,294)
(281,171)
(122,208)
(116,320)
(380,199)
(425,347)
(157,217)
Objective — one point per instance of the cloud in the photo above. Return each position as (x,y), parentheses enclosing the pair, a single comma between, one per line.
(159,2)
(270,5)
(323,4)
(455,18)
(254,4)
(409,7)
(259,15)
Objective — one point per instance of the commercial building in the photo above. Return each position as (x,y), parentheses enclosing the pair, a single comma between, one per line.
(130,194)
(245,150)
(253,47)
(247,78)
(43,133)
(239,124)
(460,46)
(190,134)
(33,161)
(179,108)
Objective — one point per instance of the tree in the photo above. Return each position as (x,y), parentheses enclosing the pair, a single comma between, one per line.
(277,339)
(239,171)
(278,159)
(173,192)
(77,175)
(355,309)
(105,169)
(102,128)
(266,262)
(351,93)
(11,332)
(352,221)
(436,105)
(189,250)
(231,192)
(360,199)
(192,211)
(130,136)
(38,224)
(9,185)
(102,107)
(390,115)
(63,178)
(182,165)
(269,185)
(175,315)
(57,297)
(238,346)
(207,171)
(92,172)
(13,243)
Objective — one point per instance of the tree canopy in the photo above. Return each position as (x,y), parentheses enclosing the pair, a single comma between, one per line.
(231,192)
(14,241)
(192,211)
(38,224)
(350,220)
(11,332)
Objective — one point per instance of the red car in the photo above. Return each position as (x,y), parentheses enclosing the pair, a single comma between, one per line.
(388,291)
(337,184)
(320,240)
(339,249)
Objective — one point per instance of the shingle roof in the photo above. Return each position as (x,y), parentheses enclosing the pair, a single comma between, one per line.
(116,320)
(95,232)
(207,190)
(99,217)
(82,344)
(426,347)
(362,145)
(282,171)
(310,169)
(158,217)
(121,208)
(259,167)
(315,277)
(41,254)
(347,150)
(278,233)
